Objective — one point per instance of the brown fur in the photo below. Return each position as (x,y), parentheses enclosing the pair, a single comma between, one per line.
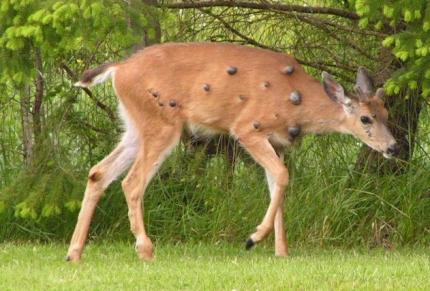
(250,102)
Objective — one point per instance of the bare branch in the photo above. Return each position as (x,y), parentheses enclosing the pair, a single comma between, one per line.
(327,67)
(332,33)
(317,65)
(235,31)
(264,6)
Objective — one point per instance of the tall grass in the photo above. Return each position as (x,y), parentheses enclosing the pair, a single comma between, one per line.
(194,197)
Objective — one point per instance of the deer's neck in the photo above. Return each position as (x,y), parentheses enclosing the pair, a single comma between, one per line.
(323,115)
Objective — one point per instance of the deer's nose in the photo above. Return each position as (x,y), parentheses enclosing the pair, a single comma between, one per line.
(393,149)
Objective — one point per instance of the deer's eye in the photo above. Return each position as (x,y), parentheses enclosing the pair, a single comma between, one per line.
(365,119)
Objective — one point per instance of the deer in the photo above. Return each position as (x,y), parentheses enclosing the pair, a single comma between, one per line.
(263,99)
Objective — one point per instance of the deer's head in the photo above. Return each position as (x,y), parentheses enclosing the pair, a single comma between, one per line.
(365,115)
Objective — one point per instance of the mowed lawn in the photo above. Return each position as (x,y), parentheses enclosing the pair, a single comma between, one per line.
(211,267)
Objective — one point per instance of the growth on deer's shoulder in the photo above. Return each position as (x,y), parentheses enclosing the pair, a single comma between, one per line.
(266,84)
(172,103)
(256,124)
(293,132)
(288,70)
(296,97)
(232,70)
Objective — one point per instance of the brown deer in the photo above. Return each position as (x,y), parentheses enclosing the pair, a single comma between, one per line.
(263,99)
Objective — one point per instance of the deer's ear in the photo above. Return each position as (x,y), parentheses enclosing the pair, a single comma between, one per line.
(364,84)
(380,93)
(334,90)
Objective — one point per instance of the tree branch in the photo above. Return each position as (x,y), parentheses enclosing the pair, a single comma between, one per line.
(317,65)
(264,6)
(236,32)
(333,34)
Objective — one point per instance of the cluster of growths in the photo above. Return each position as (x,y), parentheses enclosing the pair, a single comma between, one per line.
(295,98)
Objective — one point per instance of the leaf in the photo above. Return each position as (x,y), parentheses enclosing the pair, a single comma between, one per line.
(73,205)
(417,14)
(378,25)
(37,16)
(388,11)
(413,85)
(408,15)
(403,55)
(363,22)
(2,206)
(388,41)
(418,42)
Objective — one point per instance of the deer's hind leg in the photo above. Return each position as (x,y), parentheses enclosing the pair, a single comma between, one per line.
(158,140)
(99,178)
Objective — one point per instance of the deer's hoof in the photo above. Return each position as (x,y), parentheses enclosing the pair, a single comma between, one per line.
(73,259)
(146,256)
(249,244)
(281,254)
(145,251)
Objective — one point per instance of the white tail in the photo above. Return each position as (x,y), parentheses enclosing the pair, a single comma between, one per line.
(97,76)
(263,99)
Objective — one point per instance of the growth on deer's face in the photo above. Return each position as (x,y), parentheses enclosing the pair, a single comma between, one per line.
(263,99)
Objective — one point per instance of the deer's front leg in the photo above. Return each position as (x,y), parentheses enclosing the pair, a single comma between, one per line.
(262,151)
(281,245)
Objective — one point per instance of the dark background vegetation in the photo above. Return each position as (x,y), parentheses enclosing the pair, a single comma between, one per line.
(341,193)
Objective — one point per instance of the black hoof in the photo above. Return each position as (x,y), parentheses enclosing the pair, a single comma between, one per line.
(249,244)
(67,258)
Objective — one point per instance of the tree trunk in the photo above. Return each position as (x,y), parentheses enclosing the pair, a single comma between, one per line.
(27,131)
(152,32)
(38,98)
(154,25)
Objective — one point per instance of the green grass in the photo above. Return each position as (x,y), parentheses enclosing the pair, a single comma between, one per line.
(211,267)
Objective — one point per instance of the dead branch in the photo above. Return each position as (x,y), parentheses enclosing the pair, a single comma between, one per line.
(264,6)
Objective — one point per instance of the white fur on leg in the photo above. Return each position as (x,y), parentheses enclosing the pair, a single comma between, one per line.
(130,145)
(270,182)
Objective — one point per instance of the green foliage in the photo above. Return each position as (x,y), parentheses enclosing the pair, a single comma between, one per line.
(407,24)
(57,28)
(77,34)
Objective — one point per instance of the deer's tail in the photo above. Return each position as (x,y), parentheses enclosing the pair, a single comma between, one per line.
(96,76)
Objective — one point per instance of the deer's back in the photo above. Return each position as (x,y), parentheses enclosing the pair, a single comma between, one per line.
(214,85)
